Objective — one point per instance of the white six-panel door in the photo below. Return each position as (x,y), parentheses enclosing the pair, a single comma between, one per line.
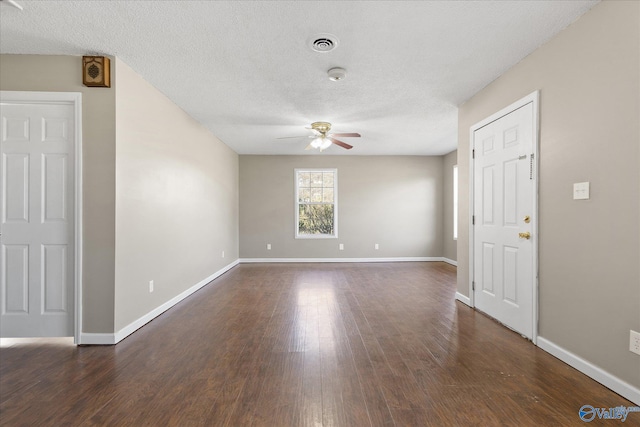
(37,224)
(503,207)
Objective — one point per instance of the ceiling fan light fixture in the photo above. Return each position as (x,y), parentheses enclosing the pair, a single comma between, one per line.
(336,74)
(321,143)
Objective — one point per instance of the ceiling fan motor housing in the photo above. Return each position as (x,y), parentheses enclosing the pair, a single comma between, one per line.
(322,127)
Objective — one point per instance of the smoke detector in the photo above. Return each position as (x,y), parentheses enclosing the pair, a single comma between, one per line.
(323,42)
(337,73)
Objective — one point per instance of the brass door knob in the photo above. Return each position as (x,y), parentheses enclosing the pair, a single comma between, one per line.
(525,235)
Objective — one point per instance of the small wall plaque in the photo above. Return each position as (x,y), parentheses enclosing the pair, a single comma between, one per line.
(96,71)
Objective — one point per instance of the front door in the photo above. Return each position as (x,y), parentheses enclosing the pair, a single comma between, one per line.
(37,206)
(504,192)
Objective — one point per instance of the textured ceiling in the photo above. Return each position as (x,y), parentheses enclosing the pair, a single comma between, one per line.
(245,71)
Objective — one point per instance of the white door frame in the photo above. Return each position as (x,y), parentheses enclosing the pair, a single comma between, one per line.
(74,99)
(533,98)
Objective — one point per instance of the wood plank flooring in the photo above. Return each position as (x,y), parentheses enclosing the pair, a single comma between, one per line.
(305,345)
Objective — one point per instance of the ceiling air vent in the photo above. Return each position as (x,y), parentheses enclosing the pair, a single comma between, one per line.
(323,42)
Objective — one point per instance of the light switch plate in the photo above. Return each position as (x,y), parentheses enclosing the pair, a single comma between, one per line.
(581,191)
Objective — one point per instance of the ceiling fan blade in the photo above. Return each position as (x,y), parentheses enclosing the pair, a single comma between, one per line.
(352,134)
(309,147)
(340,143)
(290,137)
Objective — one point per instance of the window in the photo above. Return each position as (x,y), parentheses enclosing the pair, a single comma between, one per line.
(455,202)
(316,203)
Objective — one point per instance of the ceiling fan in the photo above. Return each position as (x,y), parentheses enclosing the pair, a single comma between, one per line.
(322,139)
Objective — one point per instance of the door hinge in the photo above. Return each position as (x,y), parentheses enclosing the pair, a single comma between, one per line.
(473,286)
(473,153)
(473,220)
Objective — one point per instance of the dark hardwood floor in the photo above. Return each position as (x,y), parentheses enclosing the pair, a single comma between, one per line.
(305,345)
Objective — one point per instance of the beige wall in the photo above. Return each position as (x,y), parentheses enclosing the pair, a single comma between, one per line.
(449,246)
(393,201)
(172,186)
(63,74)
(589,250)
(176,199)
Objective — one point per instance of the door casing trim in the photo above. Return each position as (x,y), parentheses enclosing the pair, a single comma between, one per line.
(533,98)
(74,99)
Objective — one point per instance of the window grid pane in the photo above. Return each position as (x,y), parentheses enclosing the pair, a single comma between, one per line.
(316,195)
(304,179)
(316,179)
(304,195)
(327,195)
(327,178)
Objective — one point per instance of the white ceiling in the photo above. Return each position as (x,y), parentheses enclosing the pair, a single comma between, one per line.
(245,71)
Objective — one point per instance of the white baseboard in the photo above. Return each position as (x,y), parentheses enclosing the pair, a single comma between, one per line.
(621,387)
(137,324)
(87,338)
(291,260)
(110,339)
(463,299)
(450,261)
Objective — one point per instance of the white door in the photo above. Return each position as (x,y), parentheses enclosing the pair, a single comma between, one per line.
(37,192)
(504,210)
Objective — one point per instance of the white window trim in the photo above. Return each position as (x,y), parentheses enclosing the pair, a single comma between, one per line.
(335,204)
(455,202)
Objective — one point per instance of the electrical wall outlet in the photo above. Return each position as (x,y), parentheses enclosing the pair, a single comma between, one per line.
(634,342)
(222,254)
(341,247)
(268,246)
(150,286)
(376,246)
